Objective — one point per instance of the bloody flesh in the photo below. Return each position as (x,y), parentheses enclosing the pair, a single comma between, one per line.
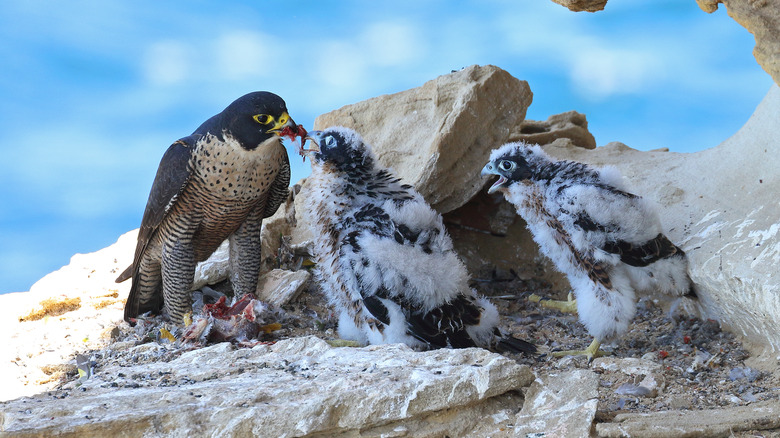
(222,311)
(290,133)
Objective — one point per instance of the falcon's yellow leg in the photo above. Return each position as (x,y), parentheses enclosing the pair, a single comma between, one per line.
(569,306)
(591,352)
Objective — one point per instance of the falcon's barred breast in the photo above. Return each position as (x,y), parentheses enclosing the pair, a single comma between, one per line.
(216,184)
(608,241)
(384,258)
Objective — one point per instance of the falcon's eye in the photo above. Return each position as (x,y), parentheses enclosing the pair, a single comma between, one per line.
(330,141)
(506,165)
(263,119)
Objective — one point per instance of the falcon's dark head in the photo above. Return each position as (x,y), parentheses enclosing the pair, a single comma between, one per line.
(252,119)
(342,147)
(512,163)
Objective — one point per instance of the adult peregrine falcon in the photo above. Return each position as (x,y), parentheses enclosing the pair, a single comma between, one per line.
(607,241)
(384,258)
(218,183)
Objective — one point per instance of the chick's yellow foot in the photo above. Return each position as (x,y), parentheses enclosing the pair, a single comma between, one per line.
(591,352)
(569,306)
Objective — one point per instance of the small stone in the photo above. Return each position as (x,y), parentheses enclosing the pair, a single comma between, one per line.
(631,389)
(567,362)
(749,397)
(651,356)
(654,382)
(701,360)
(739,373)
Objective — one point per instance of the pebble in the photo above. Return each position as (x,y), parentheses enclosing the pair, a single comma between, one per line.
(749,397)
(631,389)
(739,373)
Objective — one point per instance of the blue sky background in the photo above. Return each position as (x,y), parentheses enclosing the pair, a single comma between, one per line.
(93,92)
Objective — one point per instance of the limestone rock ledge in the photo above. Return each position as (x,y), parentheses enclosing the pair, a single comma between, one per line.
(296,387)
(713,423)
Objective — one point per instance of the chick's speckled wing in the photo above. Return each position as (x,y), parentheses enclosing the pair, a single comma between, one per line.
(614,221)
(401,252)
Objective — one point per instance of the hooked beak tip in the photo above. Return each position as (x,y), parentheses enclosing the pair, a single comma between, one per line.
(313,137)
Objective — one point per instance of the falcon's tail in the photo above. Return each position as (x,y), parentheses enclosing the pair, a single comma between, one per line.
(692,293)
(509,344)
(125,275)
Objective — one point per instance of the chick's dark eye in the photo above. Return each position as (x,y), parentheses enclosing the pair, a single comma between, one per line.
(330,141)
(263,119)
(506,165)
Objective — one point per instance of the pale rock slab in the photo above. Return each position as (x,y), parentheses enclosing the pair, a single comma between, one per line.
(214,269)
(275,228)
(280,286)
(721,206)
(713,423)
(436,137)
(560,405)
(296,387)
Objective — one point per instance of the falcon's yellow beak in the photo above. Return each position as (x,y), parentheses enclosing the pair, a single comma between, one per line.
(282,122)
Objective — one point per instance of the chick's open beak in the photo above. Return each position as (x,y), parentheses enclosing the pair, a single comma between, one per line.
(314,136)
(490,170)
